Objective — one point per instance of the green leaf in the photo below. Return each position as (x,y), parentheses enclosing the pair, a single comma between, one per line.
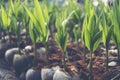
(41,22)
(96,40)
(14,23)
(45,13)
(106,28)
(15,7)
(12,6)
(76,32)
(83,30)
(5,19)
(114,38)
(88,39)
(58,40)
(65,41)
(39,16)
(32,35)
(109,36)
(31,15)
(87,6)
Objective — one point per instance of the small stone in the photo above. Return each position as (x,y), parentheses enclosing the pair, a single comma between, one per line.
(113,52)
(112,47)
(28,48)
(56,68)
(7,37)
(112,64)
(23,32)
(41,51)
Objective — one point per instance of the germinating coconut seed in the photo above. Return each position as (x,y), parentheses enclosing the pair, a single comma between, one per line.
(22,75)
(33,74)
(1,78)
(21,63)
(60,75)
(9,54)
(47,73)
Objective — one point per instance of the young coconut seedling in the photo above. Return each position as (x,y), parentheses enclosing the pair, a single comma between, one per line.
(38,30)
(34,35)
(73,21)
(1,27)
(106,28)
(87,11)
(6,20)
(92,35)
(116,23)
(16,19)
(77,18)
(62,36)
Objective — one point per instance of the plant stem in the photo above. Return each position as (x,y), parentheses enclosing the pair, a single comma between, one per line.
(91,77)
(118,53)
(27,29)
(35,49)
(84,54)
(19,44)
(46,54)
(63,60)
(35,56)
(9,37)
(106,59)
(18,37)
